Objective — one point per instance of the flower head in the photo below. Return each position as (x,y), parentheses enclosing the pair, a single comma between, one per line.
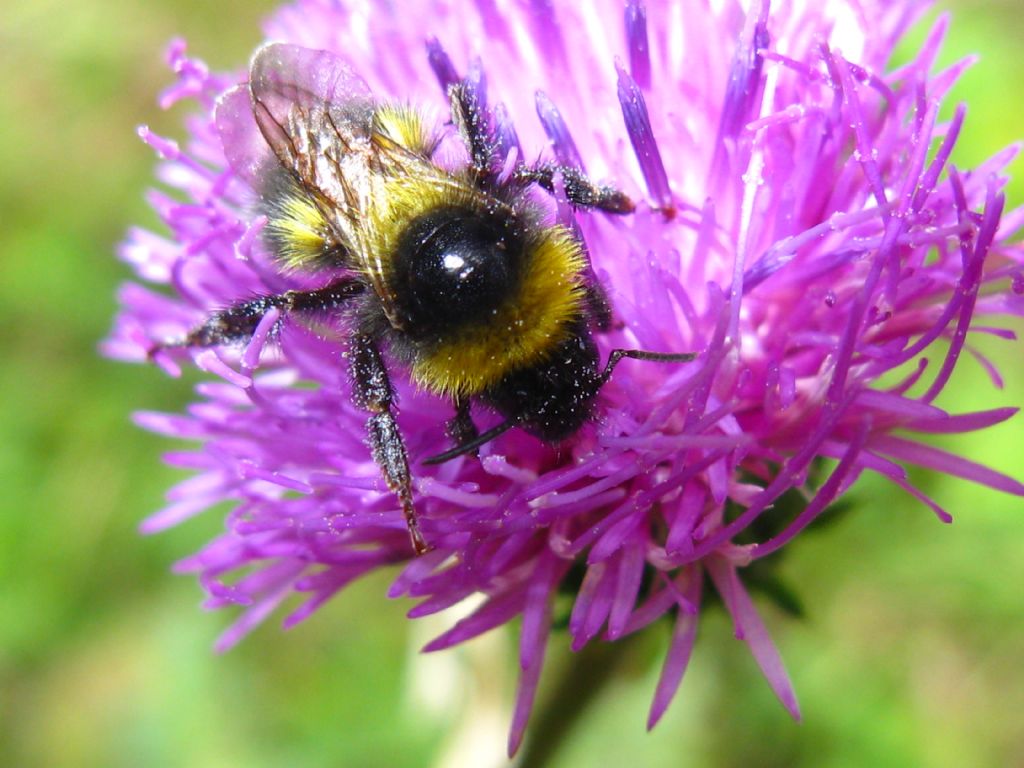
(801,227)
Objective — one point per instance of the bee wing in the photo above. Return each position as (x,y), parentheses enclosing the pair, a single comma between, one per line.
(244,146)
(315,115)
(288,86)
(298,93)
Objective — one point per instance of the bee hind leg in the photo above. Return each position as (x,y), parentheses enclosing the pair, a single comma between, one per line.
(599,305)
(460,427)
(617,355)
(372,391)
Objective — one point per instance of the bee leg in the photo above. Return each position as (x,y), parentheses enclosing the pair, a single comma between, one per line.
(373,392)
(470,118)
(599,305)
(579,190)
(461,428)
(476,442)
(237,323)
(639,354)
(469,113)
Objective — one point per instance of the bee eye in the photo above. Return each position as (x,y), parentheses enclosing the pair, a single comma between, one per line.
(453,269)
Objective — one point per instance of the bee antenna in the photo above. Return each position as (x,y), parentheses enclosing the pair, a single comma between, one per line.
(641,354)
(472,445)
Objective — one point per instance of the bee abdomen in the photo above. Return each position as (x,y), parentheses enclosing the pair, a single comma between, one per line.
(296,231)
(553,399)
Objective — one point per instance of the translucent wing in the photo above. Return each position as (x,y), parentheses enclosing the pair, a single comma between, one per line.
(287,84)
(244,146)
(307,112)
(308,104)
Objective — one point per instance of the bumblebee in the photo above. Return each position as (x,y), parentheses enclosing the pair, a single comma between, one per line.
(453,273)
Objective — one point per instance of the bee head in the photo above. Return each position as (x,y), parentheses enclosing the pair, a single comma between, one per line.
(455,268)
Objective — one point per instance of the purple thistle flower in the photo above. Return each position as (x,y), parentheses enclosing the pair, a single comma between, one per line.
(803,228)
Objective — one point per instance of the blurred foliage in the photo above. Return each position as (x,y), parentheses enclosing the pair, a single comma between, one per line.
(912,652)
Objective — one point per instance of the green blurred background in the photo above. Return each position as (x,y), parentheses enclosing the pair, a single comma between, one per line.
(912,652)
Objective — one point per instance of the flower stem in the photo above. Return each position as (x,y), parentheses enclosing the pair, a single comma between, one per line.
(582,679)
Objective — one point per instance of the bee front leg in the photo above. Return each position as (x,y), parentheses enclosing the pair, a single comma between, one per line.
(579,190)
(470,118)
(237,323)
(373,392)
